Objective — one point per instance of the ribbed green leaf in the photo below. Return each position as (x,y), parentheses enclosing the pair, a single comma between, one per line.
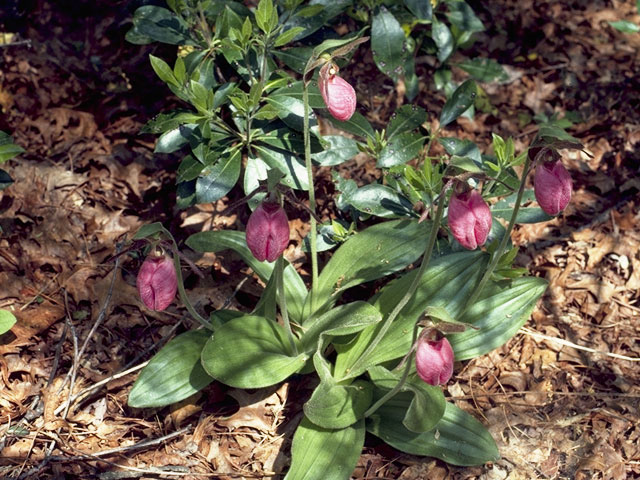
(323,454)
(173,374)
(373,253)
(250,352)
(458,438)
(498,314)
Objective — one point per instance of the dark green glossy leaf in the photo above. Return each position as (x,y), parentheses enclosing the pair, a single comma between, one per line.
(288,163)
(169,121)
(406,119)
(381,201)
(387,41)
(311,23)
(161,25)
(295,58)
(175,139)
(458,438)
(461,148)
(291,111)
(324,454)
(8,149)
(164,71)
(250,352)
(462,16)
(420,8)
(339,149)
(459,102)
(294,89)
(5,179)
(400,149)
(443,39)
(149,230)
(173,374)
(427,405)
(189,169)
(216,180)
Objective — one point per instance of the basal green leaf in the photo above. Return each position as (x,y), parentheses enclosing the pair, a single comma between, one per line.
(372,253)
(447,283)
(324,454)
(458,438)
(498,314)
(250,352)
(173,374)
(338,406)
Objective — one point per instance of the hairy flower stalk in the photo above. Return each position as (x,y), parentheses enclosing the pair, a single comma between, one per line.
(337,93)
(469,218)
(267,231)
(552,187)
(157,282)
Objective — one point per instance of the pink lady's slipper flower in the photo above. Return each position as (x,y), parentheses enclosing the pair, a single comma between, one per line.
(337,93)
(552,186)
(267,231)
(469,219)
(157,282)
(434,361)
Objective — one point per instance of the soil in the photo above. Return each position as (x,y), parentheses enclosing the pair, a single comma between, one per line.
(561,398)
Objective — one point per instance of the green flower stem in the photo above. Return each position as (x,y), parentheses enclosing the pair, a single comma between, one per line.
(183,293)
(312,198)
(282,301)
(412,288)
(503,243)
(403,379)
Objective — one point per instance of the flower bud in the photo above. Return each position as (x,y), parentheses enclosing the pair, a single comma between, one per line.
(337,93)
(552,187)
(157,282)
(434,361)
(469,219)
(268,231)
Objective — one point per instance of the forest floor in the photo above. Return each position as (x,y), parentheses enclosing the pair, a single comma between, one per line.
(562,398)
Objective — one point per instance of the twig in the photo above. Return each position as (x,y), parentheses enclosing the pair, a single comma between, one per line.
(76,357)
(577,347)
(56,358)
(102,382)
(16,43)
(40,292)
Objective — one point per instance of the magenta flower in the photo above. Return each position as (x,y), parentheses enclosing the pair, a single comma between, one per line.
(469,219)
(268,231)
(552,187)
(157,282)
(338,95)
(434,361)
